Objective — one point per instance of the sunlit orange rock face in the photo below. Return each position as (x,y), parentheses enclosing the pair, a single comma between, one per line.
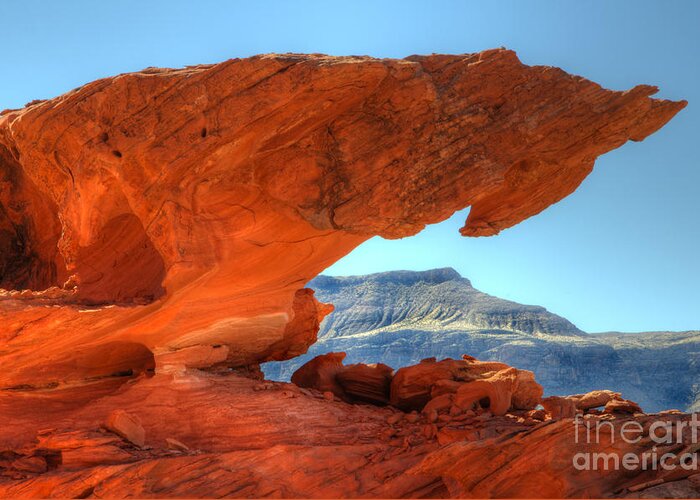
(167,221)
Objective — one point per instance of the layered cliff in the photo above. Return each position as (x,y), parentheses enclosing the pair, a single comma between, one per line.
(162,223)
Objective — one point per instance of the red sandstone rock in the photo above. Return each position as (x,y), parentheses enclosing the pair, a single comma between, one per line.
(498,385)
(174,444)
(394,418)
(559,407)
(412,418)
(411,386)
(672,412)
(85,457)
(505,389)
(594,399)
(320,374)
(622,406)
(171,193)
(167,214)
(490,394)
(126,426)
(444,386)
(80,449)
(358,382)
(199,356)
(527,393)
(447,436)
(439,403)
(367,383)
(536,414)
(34,464)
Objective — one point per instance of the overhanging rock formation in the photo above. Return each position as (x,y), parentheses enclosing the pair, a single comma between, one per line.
(171,218)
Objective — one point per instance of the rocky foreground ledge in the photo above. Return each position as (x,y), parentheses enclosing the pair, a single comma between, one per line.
(158,228)
(467,429)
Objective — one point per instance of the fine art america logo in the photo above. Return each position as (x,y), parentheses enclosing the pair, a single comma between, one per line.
(667,444)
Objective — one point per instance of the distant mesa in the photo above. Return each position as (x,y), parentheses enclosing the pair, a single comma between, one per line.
(400,317)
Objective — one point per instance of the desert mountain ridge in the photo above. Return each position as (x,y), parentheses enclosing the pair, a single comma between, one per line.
(401,317)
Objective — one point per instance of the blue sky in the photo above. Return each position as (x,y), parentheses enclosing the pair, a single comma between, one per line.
(619,254)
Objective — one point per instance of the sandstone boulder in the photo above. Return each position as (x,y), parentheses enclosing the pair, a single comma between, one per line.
(622,406)
(539,415)
(559,407)
(352,383)
(411,386)
(367,383)
(485,393)
(320,374)
(506,389)
(498,386)
(594,399)
(527,393)
(444,386)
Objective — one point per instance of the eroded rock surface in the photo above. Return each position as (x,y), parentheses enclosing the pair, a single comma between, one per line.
(157,230)
(215,435)
(472,383)
(199,201)
(467,383)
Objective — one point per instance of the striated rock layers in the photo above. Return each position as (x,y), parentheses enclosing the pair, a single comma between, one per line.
(161,223)
(214,435)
